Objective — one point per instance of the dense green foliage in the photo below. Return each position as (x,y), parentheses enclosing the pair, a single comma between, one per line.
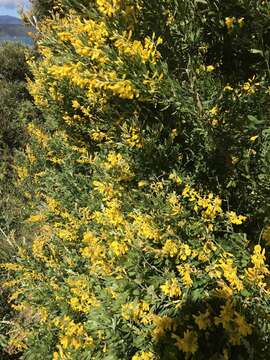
(16,109)
(13,62)
(147,183)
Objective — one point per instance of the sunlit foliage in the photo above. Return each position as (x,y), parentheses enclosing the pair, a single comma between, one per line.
(143,183)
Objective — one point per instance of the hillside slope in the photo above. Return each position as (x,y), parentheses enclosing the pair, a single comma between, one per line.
(13,29)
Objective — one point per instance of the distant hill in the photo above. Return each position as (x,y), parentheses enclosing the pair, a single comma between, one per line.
(9,20)
(13,29)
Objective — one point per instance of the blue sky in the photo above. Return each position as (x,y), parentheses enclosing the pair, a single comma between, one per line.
(10,7)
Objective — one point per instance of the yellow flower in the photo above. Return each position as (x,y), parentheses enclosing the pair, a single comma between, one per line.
(138,312)
(75,104)
(31,157)
(132,137)
(174,203)
(41,137)
(185,271)
(235,219)
(243,327)
(171,288)
(89,237)
(22,172)
(170,248)
(253,138)
(146,227)
(108,8)
(124,89)
(258,257)
(214,122)
(142,183)
(98,135)
(241,21)
(105,189)
(89,341)
(146,52)
(64,342)
(210,68)
(226,315)
(214,111)
(174,177)
(248,87)
(228,88)
(189,343)
(144,355)
(203,320)
(118,248)
(229,21)
(184,251)
(174,133)
(75,343)
(36,218)
(163,324)
(230,273)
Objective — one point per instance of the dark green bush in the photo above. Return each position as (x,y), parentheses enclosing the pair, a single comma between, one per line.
(16,110)
(13,66)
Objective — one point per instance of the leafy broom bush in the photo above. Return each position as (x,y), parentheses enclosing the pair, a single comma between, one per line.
(135,255)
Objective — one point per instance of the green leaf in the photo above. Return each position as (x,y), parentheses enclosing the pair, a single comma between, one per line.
(245,293)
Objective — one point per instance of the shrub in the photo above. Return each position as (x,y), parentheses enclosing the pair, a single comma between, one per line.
(13,66)
(134,254)
(16,109)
